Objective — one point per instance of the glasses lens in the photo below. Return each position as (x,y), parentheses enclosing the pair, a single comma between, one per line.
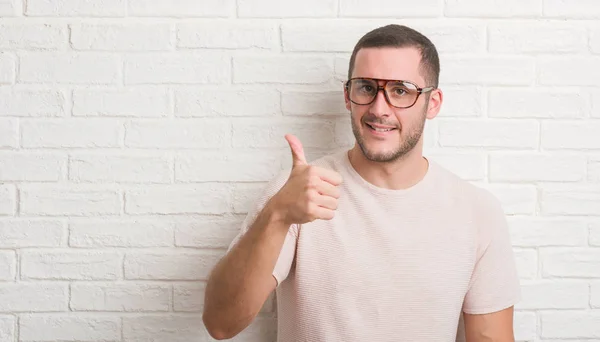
(362,91)
(401,94)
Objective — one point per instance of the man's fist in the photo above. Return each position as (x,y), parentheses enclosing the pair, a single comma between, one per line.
(310,192)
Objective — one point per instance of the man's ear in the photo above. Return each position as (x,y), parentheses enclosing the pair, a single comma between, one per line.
(434,105)
(346,97)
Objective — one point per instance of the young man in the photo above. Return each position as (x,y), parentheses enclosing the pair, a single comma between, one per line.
(377,243)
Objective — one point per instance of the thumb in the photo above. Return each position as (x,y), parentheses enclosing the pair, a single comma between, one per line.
(297,150)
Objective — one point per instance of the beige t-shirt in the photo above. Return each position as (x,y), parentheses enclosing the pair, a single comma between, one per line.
(393,265)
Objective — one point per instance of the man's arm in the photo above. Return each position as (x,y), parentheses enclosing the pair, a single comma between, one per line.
(492,327)
(241,282)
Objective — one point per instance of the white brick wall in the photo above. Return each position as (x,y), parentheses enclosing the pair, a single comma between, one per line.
(136,134)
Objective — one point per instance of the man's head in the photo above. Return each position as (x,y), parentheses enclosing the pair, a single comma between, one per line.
(388,126)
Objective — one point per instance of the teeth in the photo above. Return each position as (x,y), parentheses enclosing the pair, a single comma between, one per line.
(382,129)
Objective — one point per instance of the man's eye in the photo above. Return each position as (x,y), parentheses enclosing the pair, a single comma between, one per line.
(366,88)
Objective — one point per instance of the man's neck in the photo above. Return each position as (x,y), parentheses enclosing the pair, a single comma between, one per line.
(402,173)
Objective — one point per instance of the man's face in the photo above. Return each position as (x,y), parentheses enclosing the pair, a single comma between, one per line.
(369,121)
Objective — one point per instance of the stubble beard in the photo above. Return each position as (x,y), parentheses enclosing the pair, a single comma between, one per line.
(406,144)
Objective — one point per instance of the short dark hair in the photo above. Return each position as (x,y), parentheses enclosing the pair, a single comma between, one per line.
(400,36)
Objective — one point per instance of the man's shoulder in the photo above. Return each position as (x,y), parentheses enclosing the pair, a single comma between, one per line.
(477,195)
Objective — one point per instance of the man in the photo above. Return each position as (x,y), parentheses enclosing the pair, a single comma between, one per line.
(377,243)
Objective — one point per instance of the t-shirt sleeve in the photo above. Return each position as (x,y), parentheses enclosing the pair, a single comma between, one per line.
(286,256)
(494,284)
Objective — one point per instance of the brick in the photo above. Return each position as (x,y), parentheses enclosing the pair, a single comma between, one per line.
(32,103)
(33,36)
(525,326)
(232,167)
(390,8)
(170,266)
(596,104)
(462,102)
(189,297)
(182,68)
(570,135)
(581,9)
(595,234)
(120,297)
(593,170)
(515,199)
(341,66)
(455,38)
(36,167)
(81,328)
(289,9)
(8,64)
(545,232)
(570,324)
(59,200)
(8,8)
(164,328)
(8,266)
(227,102)
(204,198)
(253,133)
(63,265)
(124,37)
(34,297)
(527,263)
(71,133)
(581,71)
(178,134)
(489,133)
(69,68)
(595,40)
(181,8)
(521,167)
(7,323)
(313,103)
(535,37)
(130,102)
(8,199)
(281,69)
(570,200)
(492,8)
(554,294)
(24,233)
(570,262)
(534,103)
(595,301)
(9,133)
(245,195)
(227,35)
(501,70)
(207,233)
(120,233)
(120,168)
(468,166)
(76,8)
(318,36)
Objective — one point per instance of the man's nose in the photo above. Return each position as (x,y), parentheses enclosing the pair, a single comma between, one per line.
(380,106)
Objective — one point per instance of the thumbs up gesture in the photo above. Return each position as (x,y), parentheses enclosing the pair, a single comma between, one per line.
(310,193)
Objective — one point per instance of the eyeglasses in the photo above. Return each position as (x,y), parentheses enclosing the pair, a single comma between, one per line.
(399,94)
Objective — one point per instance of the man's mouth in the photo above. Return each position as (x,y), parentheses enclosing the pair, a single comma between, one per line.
(380,128)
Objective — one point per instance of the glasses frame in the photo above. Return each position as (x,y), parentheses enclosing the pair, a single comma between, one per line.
(385,94)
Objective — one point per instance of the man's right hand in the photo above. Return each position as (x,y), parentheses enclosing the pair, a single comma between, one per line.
(310,193)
